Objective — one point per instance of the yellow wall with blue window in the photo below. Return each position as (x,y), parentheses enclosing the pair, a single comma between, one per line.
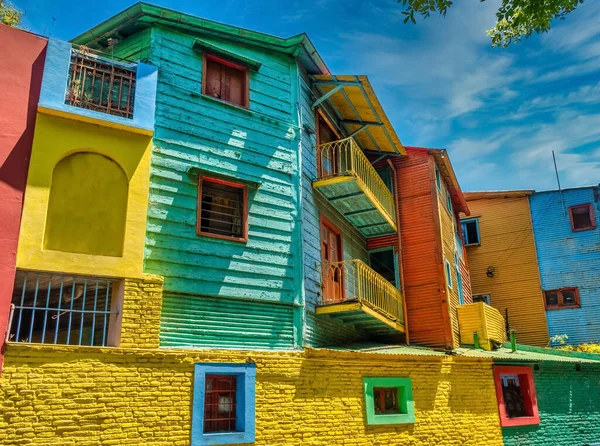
(86,199)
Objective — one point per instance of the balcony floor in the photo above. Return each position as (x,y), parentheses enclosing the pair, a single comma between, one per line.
(363,316)
(349,196)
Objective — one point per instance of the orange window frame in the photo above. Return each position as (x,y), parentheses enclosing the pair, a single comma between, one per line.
(229,64)
(244,187)
(560,305)
(326,223)
(590,210)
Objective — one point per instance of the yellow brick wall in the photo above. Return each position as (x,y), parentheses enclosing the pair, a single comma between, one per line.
(90,396)
(142,304)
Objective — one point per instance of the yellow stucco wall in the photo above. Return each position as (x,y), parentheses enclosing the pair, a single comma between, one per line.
(88,396)
(98,188)
(508,245)
(56,138)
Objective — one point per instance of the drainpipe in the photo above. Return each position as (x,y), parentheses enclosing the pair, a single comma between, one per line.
(513,341)
(476,341)
(400,263)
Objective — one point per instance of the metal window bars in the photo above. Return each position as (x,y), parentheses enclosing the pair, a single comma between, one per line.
(100,84)
(344,157)
(61,309)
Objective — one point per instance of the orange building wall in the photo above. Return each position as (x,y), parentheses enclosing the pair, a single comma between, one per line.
(427,313)
(507,244)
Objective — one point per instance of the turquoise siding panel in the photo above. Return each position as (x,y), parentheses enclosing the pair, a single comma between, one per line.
(321,330)
(195,321)
(214,288)
(324,330)
(569,259)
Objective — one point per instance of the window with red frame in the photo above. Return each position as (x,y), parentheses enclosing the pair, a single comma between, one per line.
(386,400)
(582,217)
(515,392)
(219,403)
(562,298)
(222,209)
(225,80)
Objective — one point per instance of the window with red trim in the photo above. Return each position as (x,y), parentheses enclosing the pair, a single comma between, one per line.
(225,80)
(222,209)
(386,400)
(582,217)
(562,298)
(515,391)
(219,403)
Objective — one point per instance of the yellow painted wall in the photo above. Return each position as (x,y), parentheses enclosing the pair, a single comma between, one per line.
(507,244)
(87,206)
(448,229)
(89,396)
(56,138)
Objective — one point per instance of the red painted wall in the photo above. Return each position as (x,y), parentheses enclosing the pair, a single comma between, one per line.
(421,250)
(21,67)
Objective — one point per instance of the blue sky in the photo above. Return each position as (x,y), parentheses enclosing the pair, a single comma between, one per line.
(500,113)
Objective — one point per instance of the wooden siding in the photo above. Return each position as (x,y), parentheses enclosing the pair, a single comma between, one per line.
(569,259)
(198,321)
(448,237)
(421,251)
(507,244)
(258,146)
(319,329)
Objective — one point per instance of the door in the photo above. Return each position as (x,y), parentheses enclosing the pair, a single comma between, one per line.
(332,266)
(328,156)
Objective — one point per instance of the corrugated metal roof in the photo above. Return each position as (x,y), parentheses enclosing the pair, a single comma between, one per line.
(522,354)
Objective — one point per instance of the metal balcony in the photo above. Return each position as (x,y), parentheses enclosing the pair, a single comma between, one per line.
(352,185)
(355,293)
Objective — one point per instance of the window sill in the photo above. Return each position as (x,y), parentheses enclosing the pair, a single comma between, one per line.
(472,245)
(563,307)
(589,228)
(521,421)
(222,102)
(223,237)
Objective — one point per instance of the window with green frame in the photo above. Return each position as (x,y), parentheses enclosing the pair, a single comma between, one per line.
(389,400)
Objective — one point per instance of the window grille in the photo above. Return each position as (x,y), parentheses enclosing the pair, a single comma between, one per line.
(101,85)
(59,309)
(223,209)
(220,403)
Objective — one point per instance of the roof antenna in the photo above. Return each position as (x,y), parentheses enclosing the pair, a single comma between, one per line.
(559,189)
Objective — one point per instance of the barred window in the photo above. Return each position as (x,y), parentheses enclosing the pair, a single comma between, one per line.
(101,85)
(220,403)
(63,309)
(222,209)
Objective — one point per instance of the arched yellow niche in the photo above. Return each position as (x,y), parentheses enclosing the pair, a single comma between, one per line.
(86,199)
(87,208)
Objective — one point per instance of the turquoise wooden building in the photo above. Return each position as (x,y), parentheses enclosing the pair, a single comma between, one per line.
(259,167)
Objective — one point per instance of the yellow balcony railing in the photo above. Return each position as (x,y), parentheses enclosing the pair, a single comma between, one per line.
(484,320)
(354,280)
(345,158)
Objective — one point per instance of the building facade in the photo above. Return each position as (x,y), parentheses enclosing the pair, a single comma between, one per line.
(22,58)
(503,262)
(566,231)
(224,243)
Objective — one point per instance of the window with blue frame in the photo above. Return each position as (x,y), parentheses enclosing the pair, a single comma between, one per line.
(448,201)
(470,231)
(448,273)
(461,299)
(438,179)
(224,403)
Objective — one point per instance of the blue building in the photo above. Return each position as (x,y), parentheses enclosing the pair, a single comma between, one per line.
(567,238)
